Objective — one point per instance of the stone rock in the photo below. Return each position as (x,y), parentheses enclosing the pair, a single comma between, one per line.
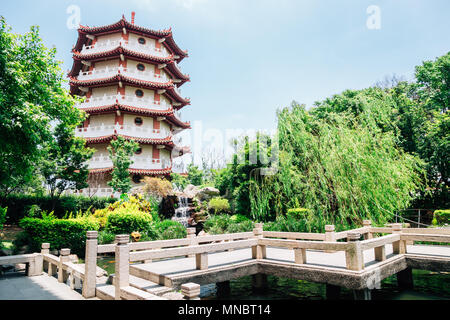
(207,193)
(191,191)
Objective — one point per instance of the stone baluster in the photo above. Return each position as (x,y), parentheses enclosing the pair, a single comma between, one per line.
(63,275)
(398,247)
(330,235)
(191,235)
(190,291)
(354,255)
(90,276)
(45,249)
(122,267)
(258,251)
(367,224)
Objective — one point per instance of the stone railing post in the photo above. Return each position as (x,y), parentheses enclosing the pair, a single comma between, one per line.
(90,271)
(367,224)
(354,255)
(45,249)
(191,235)
(122,267)
(398,247)
(190,291)
(258,251)
(330,235)
(63,275)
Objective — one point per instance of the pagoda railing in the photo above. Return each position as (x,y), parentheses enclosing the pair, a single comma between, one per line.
(108,45)
(132,101)
(127,130)
(133,73)
(142,162)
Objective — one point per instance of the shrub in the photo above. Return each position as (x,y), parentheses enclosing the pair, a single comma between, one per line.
(298,213)
(238,218)
(288,224)
(217,224)
(20,204)
(128,218)
(219,205)
(60,233)
(2,217)
(105,237)
(244,226)
(442,216)
(169,229)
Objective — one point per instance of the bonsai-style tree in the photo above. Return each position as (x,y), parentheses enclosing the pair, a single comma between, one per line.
(120,153)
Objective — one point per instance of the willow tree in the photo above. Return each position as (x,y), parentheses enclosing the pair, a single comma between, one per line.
(343,170)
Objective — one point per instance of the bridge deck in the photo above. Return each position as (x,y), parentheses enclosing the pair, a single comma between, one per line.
(229,265)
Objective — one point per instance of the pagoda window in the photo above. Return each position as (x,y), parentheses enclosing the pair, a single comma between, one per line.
(138,121)
(139,93)
(140,67)
(137,178)
(141,40)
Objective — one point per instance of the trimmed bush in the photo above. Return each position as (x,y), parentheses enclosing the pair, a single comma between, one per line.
(217,224)
(244,226)
(218,205)
(127,219)
(20,204)
(60,233)
(442,216)
(288,224)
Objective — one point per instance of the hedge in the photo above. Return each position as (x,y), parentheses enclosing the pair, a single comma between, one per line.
(60,233)
(442,216)
(19,204)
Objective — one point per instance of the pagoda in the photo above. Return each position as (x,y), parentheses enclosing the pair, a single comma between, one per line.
(130,79)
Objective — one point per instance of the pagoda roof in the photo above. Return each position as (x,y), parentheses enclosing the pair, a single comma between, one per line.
(166,141)
(169,114)
(170,44)
(142,57)
(168,86)
(166,171)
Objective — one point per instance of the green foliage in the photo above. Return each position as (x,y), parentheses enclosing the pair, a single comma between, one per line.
(298,213)
(290,224)
(442,216)
(195,175)
(120,153)
(60,233)
(105,237)
(34,103)
(218,205)
(3,212)
(168,229)
(178,181)
(19,205)
(128,218)
(238,218)
(219,224)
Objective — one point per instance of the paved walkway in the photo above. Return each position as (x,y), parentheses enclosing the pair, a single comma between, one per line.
(17,286)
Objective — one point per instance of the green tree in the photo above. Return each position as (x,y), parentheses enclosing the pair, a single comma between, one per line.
(65,166)
(120,153)
(195,175)
(33,101)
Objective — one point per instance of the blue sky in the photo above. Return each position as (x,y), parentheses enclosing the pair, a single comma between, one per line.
(250,57)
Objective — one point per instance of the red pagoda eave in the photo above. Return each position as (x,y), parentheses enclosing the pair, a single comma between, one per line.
(166,141)
(123,23)
(115,53)
(133,171)
(138,111)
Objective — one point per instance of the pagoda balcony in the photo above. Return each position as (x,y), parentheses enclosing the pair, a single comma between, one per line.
(128,130)
(134,46)
(139,162)
(133,73)
(107,100)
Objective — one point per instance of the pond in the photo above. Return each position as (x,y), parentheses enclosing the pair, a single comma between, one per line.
(427,286)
